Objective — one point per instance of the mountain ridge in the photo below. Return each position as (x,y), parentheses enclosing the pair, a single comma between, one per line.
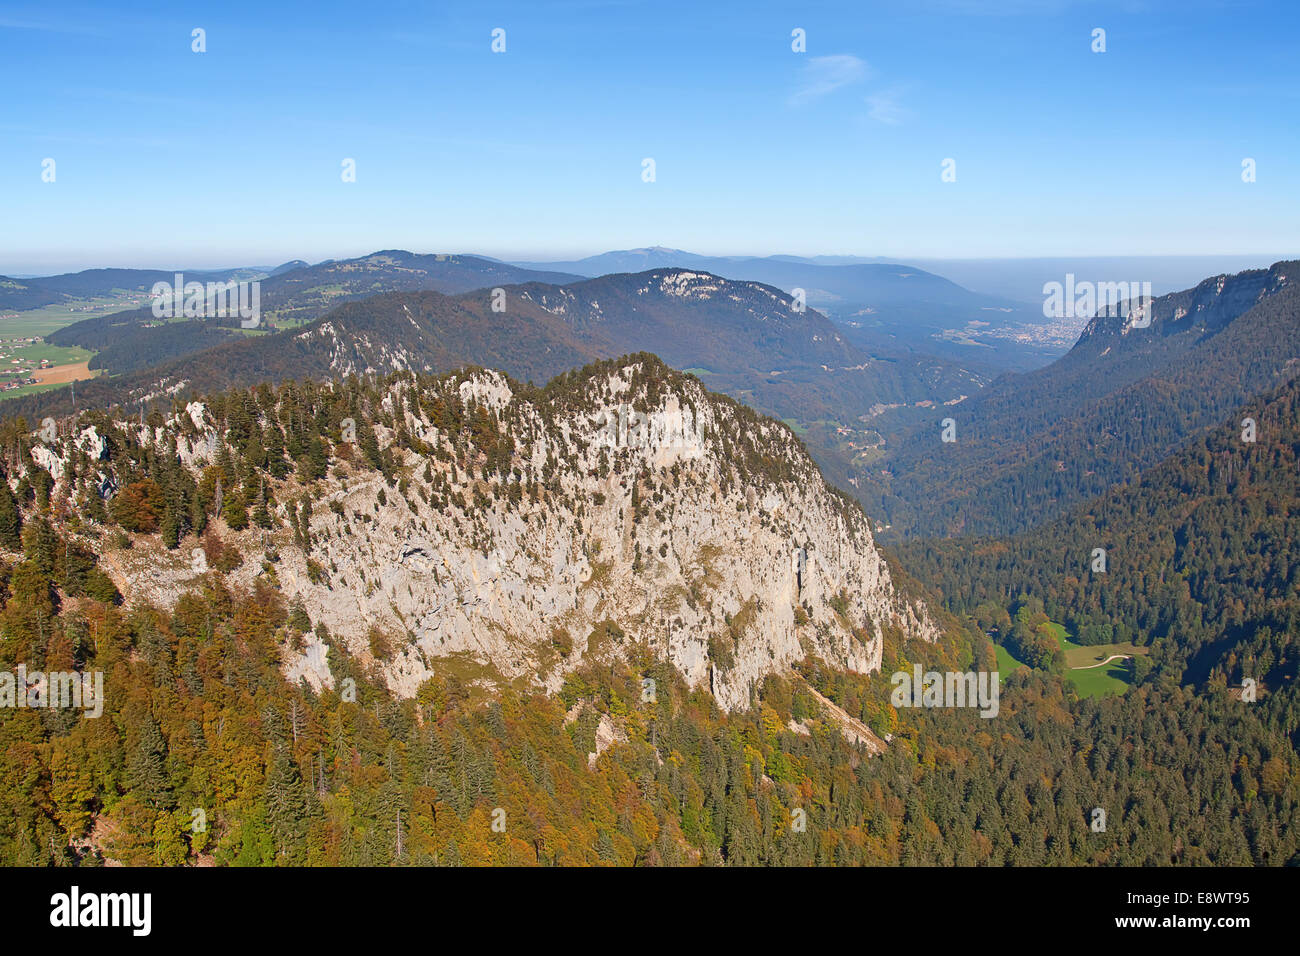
(469,517)
(1029,445)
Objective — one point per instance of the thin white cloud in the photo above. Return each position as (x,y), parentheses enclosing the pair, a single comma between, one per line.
(884,107)
(826,74)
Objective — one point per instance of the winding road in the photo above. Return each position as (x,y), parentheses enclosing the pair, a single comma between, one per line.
(1088,667)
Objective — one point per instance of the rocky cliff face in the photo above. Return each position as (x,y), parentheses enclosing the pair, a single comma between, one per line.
(622,508)
(1209,306)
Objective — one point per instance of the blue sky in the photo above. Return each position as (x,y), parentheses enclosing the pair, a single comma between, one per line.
(166,157)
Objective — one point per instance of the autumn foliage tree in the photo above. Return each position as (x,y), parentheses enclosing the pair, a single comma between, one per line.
(137,507)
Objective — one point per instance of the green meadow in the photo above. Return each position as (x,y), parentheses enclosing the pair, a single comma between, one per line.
(51,318)
(1006,663)
(1089,680)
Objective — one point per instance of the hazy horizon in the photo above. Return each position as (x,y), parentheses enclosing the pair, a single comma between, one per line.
(1014,277)
(286,138)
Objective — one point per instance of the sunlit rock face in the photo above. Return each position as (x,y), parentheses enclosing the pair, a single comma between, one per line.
(630,507)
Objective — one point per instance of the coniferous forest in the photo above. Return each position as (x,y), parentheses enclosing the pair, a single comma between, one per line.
(206,752)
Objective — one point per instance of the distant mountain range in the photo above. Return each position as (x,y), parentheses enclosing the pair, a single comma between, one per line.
(21,294)
(743,338)
(293,293)
(877,304)
(1022,280)
(695,320)
(1019,279)
(1124,398)
(295,288)
(290,266)
(307,292)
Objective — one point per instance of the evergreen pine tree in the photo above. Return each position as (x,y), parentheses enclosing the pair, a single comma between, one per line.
(11,519)
(146,776)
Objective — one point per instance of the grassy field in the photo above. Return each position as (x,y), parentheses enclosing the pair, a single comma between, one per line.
(1006,663)
(65,364)
(1112,678)
(35,352)
(274,318)
(29,390)
(1097,681)
(1089,680)
(21,360)
(1077,655)
(51,318)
